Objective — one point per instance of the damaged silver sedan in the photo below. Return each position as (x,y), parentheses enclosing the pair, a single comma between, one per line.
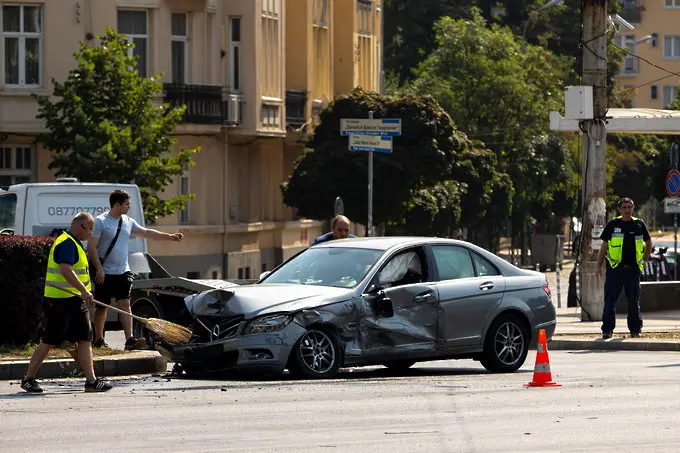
(392,301)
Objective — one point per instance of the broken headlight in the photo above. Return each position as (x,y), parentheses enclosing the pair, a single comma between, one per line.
(267,324)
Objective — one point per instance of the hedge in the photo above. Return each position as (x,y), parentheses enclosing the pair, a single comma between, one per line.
(23,261)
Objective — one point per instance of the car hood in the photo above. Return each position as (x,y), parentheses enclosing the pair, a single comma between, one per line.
(256,300)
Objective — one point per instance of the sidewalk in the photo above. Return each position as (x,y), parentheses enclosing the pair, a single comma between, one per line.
(573,334)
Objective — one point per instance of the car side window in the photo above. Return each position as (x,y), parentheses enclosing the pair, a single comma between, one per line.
(484,266)
(453,262)
(404,268)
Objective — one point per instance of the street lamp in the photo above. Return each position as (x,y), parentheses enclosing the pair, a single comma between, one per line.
(533,14)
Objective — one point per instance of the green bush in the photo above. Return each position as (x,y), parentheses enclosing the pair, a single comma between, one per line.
(23,261)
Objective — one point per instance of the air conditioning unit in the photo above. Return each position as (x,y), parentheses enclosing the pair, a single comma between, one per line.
(234,110)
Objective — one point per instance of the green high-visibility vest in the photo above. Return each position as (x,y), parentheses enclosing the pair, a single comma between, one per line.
(615,249)
(54,279)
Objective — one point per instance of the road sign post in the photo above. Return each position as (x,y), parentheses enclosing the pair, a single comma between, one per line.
(370,135)
(673,189)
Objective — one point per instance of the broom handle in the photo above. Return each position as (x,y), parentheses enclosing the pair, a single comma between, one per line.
(73,293)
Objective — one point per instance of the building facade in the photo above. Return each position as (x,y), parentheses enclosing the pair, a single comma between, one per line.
(254,75)
(656,38)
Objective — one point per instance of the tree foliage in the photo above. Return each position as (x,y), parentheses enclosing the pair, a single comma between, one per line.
(417,188)
(104,126)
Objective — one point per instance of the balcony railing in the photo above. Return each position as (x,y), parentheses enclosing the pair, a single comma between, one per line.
(203,102)
(295,108)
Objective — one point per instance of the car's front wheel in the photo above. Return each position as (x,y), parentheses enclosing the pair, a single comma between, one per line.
(317,354)
(506,345)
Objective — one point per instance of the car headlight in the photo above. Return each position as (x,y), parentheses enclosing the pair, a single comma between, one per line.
(268,324)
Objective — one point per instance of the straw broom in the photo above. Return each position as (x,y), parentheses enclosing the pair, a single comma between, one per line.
(168,331)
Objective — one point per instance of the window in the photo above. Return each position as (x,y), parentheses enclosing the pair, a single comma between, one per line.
(629,4)
(244,273)
(134,25)
(270,57)
(672,3)
(22,45)
(654,93)
(483,266)
(321,60)
(669,94)
(235,54)
(365,46)
(184,190)
(365,17)
(8,209)
(270,116)
(671,46)
(629,60)
(453,262)
(179,49)
(406,268)
(16,165)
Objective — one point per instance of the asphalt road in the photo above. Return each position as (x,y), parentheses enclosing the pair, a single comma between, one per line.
(609,401)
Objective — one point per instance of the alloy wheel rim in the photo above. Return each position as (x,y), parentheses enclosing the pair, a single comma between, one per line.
(317,351)
(509,343)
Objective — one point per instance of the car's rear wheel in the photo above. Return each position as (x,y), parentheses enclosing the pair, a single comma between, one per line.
(399,365)
(506,345)
(146,309)
(317,354)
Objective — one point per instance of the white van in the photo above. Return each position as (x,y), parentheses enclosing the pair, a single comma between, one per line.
(45,209)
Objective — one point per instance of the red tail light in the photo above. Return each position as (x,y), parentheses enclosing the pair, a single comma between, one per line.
(546,288)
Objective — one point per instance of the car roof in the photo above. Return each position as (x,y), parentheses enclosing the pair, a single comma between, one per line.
(386,243)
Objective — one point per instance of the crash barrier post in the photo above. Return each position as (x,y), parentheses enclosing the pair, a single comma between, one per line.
(559,293)
(542,375)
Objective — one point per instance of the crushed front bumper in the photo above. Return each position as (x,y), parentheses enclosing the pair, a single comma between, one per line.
(268,352)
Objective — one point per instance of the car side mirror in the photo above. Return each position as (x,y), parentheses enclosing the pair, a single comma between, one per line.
(382,304)
(264,274)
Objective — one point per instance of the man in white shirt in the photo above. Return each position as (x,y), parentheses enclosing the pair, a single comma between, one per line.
(113,279)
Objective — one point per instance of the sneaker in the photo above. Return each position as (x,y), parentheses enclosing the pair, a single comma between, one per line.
(31,385)
(100,343)
(636,335)
(606,335)
(98,385)
(134,343)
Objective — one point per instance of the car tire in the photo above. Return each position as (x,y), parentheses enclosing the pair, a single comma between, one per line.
(399,365)
(506,345)
(145,309)
(317,354)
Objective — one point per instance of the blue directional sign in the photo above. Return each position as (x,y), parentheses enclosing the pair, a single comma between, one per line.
(370,143)
(673,183)
(365,126)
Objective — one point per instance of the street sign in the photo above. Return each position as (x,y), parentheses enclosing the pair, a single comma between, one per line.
(370,143)
(673,183)
(671,205)
(366,126)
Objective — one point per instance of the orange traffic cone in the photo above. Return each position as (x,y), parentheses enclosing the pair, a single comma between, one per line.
(542,374)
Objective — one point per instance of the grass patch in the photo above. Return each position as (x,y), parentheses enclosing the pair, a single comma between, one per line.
(674,335)
(17,353)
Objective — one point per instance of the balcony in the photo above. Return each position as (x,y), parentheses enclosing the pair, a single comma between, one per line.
(203,102)
(295,109)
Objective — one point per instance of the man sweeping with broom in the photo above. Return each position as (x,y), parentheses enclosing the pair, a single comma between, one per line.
(66,314)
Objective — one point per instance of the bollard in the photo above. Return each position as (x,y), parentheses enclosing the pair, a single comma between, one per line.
(559,293)
(538,267)
(578,282)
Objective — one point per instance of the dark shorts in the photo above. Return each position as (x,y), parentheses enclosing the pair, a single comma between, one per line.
(116,287)
(66,320)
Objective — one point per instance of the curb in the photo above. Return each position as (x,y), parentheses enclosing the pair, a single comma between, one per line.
(137,362)
(615,344)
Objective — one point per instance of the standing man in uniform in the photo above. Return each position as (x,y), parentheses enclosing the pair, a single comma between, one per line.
(627,245)
(114,278)
(66,316)
(339,230)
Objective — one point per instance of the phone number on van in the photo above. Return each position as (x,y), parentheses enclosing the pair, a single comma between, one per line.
(73,210)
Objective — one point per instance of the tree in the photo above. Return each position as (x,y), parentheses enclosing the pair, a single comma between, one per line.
(500,95)
(416,188)
(104,126)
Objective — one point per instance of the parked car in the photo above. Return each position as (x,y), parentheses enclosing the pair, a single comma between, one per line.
(392,301)
(661,264)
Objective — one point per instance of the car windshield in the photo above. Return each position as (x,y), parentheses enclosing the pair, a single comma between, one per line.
(342,267)
(8,207)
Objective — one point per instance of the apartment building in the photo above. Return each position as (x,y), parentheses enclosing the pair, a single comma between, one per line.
(254,75)
(656,38)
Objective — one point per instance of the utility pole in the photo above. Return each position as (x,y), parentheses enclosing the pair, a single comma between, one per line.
(595,21)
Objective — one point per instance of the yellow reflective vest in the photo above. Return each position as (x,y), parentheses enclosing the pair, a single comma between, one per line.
(615,249)
(55,279)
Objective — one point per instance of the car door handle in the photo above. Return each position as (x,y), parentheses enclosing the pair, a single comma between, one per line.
(486,286)
(422,297)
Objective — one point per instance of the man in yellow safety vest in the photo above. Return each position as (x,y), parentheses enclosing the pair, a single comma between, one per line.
(626,246)
(66,316)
